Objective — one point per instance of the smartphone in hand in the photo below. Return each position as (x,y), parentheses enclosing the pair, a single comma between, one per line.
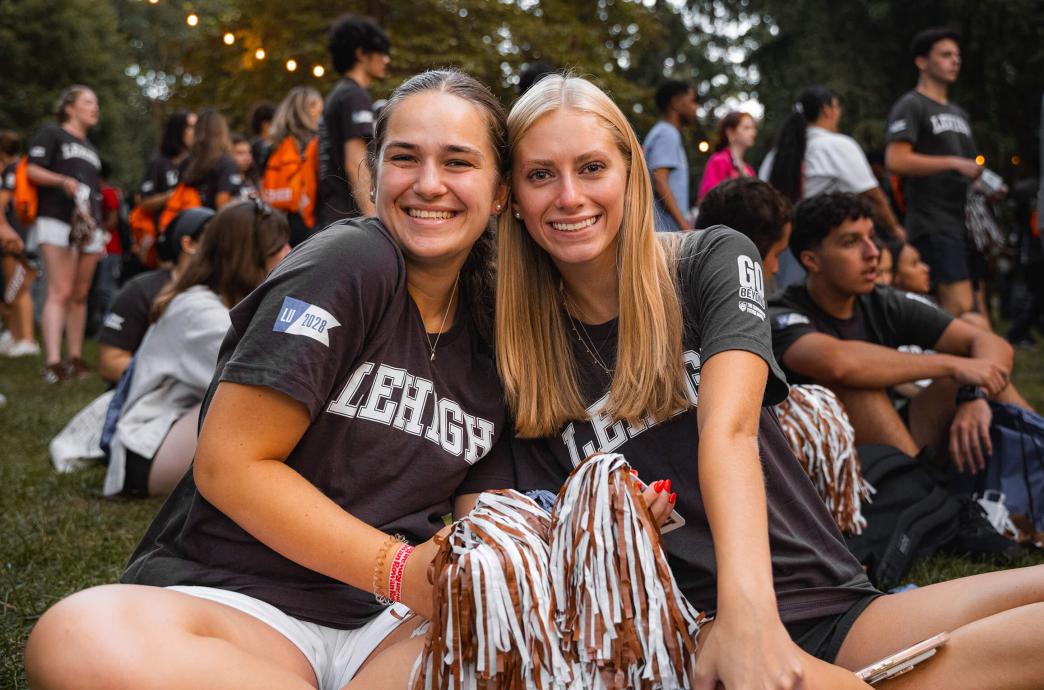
(902,661)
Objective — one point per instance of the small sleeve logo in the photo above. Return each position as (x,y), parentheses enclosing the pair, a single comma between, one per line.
(297,317)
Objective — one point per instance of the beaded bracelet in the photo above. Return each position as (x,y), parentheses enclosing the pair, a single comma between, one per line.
(381,593)
(397,570)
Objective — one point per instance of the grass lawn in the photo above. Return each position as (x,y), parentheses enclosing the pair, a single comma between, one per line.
(58,535)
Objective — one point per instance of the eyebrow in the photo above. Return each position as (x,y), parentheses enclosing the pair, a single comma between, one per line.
(582,157)
(451,148)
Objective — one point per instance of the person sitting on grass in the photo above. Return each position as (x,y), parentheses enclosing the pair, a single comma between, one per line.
(127,320)
(155,436)
(843,331)
(754,208)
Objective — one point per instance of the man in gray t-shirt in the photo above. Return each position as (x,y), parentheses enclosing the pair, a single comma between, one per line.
(930,145)
(665,154)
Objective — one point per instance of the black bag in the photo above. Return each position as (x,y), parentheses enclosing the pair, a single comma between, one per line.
(910,515)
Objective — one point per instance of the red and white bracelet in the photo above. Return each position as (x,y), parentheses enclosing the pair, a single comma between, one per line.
(397,570)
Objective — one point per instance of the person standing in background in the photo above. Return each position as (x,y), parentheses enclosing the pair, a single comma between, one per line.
(18,271)
(811,157)
(65,167)
(930,145)
(360,52)
(261,116)
(665,153)
(736,134)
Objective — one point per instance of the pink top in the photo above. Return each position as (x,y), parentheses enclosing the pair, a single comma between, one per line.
(719,168)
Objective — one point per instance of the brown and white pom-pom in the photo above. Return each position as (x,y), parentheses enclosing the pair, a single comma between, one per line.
(617,604)
(821,436)
(493,622)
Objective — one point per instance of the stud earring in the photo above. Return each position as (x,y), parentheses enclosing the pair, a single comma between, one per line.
(518,215)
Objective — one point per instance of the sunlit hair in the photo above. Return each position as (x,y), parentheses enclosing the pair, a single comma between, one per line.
(293,117)
(534,352)
(476,275)
(68,98)
(211,141)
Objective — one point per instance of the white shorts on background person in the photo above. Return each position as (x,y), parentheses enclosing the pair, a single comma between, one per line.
(335,655)
(56,232)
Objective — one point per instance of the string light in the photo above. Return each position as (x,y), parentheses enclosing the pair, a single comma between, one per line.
(704,146)
(229,38)
(1016,159)
(192,19)
(980,159)
(153,2)
(318,71)
(259,53)
(291,65)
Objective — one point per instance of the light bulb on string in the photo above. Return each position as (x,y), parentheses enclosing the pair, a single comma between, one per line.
(259,53)
(229,38)
(192,19)
(291,65)
(318,71)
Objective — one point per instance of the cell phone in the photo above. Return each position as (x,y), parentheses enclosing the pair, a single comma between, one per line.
(991,181)
(674,520)
(902,661)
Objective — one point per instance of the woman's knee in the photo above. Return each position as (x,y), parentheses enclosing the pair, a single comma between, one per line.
(87,641)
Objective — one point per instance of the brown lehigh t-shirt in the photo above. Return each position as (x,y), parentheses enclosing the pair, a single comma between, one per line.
(393,434)
(722,291)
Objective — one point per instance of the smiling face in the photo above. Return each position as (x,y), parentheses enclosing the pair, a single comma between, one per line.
(847,258)
(569,180)
(437,181)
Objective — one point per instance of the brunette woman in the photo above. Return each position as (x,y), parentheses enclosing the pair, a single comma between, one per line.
(606,341)
(736,134)
(355,399)
(65,167)
(210,167)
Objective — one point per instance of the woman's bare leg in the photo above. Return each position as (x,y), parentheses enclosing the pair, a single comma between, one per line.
(76,315)
(390,665)
(149,638)
(996,626)
(60,268)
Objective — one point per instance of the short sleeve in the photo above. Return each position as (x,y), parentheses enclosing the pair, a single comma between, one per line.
(853,170)
(904,121)
(913,319)
(125,324)
(228,179)
(788,326)
(718,168)
(313,317)
(356,115)
(723,289)
(663,148)
(153,182)
(43,147)
(9,178)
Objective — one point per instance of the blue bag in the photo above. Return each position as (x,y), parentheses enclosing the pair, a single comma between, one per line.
(1017,465)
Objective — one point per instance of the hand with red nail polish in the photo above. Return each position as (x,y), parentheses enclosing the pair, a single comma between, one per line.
(657,498)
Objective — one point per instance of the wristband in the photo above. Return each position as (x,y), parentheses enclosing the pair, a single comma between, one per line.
(969,393)
(381,592)
(398,569)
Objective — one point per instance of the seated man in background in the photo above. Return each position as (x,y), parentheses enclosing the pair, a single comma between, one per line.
(752,207)
(843,331)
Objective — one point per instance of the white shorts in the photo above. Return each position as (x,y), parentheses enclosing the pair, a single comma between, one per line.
(335,655)
(56,232)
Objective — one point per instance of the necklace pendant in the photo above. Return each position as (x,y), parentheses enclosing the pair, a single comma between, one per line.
(432,356)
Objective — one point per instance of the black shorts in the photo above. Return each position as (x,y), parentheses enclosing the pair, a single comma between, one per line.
(823,637)
(949,257)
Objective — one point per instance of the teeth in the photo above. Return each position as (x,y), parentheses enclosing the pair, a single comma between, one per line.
(572,227)
(420,213)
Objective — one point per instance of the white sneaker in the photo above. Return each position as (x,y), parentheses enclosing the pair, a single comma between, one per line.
(23,348)
(6,341)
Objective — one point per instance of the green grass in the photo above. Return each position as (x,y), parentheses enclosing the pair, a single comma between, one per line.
(58,535)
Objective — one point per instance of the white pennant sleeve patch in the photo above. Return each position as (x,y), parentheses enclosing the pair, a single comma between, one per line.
(297,317)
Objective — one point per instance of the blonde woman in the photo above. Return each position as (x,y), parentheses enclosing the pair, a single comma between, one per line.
(290,172)
(606,340)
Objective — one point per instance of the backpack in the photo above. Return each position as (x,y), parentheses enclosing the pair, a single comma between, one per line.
(25,198)
(1016,467)
(291,179)
(184,197)
(143,231)
(911,516)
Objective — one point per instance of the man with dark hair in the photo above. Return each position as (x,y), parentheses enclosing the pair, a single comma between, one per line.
(665,153)
(260,122)
(930,145)
(841,330)
(360,53)
(754,208)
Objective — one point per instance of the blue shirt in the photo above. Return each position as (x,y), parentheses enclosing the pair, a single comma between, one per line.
(664,149)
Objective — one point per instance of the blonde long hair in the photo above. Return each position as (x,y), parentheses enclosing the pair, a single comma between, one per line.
(534,353)
(293,118)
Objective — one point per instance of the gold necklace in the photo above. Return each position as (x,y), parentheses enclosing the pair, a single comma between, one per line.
(442,327)
(593,349)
